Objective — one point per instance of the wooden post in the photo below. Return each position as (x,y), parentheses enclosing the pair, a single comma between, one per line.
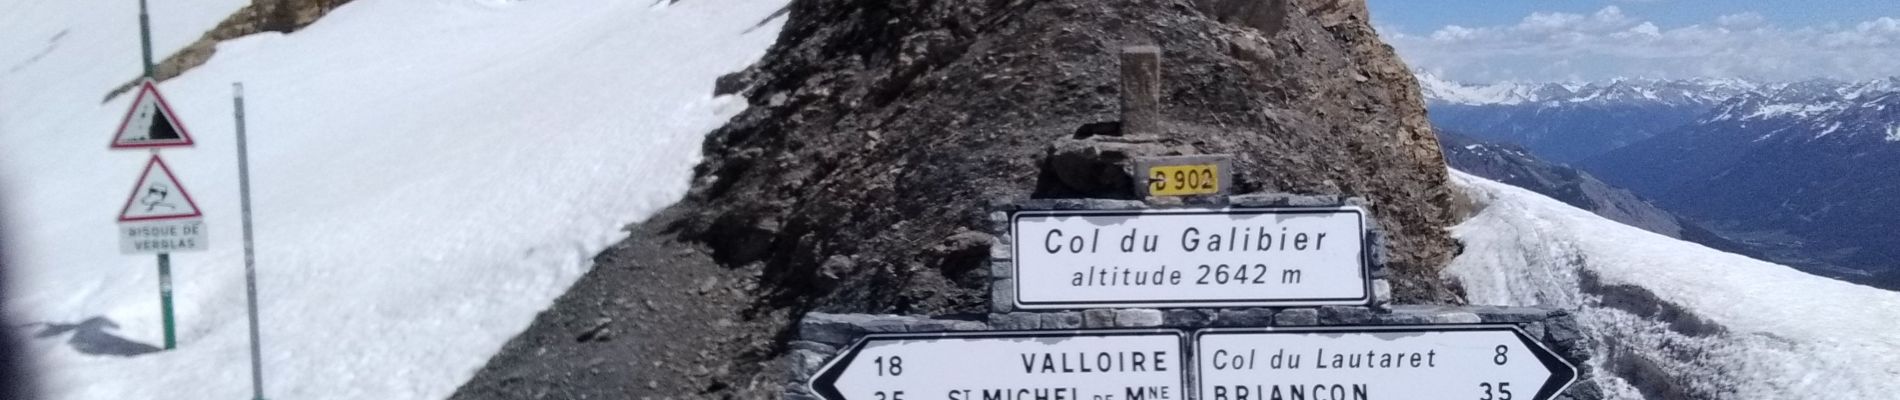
(1141,90)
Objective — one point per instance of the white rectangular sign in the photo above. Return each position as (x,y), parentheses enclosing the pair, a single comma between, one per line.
(1482,362)
(1088,365)
(162,236)
(1238,257)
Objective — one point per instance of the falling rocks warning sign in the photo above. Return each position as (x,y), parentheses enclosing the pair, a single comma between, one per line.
(150,122)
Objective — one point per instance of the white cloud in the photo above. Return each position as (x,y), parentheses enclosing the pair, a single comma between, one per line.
(1453,33)
(1746,20)
(1880,32)
(1643,31)
(1610,43)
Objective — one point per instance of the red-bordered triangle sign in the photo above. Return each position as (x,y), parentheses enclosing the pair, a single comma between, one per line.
(150,122)
(158,196)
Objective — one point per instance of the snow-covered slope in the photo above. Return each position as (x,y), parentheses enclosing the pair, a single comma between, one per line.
(1675,319)
(428,175)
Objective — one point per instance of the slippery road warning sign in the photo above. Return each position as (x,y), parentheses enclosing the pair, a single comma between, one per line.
(158,196)
(159,216)
(150,122)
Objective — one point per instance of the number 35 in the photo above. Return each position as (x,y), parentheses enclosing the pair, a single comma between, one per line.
(1503,391)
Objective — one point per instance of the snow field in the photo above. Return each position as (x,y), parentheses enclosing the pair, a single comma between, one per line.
(1780,333)
(427,176)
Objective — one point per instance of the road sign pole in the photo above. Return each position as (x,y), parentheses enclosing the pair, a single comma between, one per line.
(145,39)
(250,255)
(165,299)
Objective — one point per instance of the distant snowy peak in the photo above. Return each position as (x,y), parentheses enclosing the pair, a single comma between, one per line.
(1552,94)
(1698,91)
(1811,110)
(1440,90)
(1872,87)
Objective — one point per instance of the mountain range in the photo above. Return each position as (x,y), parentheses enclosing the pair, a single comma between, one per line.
(1804,173)
(1812,169)
(1570,121)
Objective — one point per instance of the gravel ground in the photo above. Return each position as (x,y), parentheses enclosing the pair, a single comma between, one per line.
(655,319)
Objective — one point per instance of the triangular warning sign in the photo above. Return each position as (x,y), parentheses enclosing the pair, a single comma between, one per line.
(158,196)
(150,122)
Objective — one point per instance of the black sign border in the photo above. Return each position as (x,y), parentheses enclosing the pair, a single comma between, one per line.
(1563,373)
(1365,260)
(824,382)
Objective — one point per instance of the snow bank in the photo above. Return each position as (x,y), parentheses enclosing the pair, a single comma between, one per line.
(428,175)
(1677,319)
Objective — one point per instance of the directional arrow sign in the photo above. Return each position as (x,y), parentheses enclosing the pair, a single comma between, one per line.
(1482,362)
(1235,257)
(1024,365)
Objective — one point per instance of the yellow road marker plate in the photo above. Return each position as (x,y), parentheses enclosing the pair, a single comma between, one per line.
(1184,180)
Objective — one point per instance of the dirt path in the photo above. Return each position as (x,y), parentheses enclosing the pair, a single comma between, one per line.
(655,319)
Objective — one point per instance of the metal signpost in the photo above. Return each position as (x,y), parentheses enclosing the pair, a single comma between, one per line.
(1086,365)
(1191,258)
(250,253)
(1482,362)
(160,216)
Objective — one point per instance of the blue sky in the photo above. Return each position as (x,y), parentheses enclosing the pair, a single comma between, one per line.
(1485,41)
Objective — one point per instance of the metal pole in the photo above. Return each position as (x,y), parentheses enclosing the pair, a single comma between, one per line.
(145,40)
(250,254)
(165,299)
(164,259)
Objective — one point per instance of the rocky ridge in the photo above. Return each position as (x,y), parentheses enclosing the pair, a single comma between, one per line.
(282,16)
(872,146)
(881,134)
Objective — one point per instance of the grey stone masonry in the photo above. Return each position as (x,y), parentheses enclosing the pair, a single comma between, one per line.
(1015,321)
(1002,295)
(1344,315)
(1296,317)
(1137,318)
(1141,90)
(1098,318)
(1061,320)
(1424,315)
(1187,318)
(1244,317)
(1381,291)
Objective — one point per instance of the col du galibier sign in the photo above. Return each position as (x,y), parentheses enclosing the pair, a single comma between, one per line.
(1235,257)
